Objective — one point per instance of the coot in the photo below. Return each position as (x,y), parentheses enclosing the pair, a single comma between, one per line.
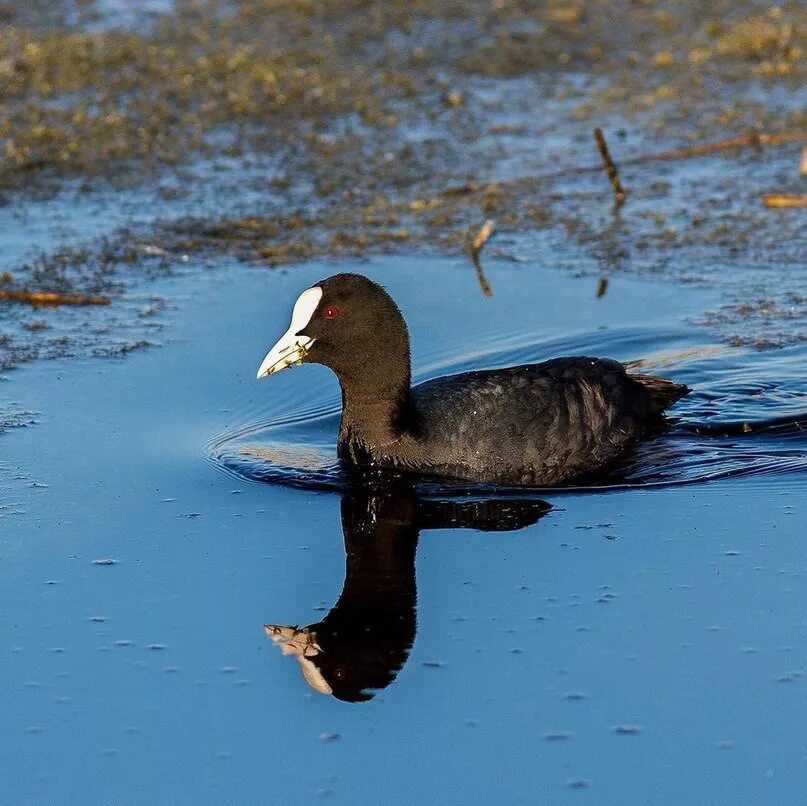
(533,425)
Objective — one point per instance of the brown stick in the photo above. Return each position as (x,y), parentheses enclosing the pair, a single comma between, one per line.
(784,199)
(49,298)
(480,276)
(730,144)
(745,141)
(482,237)
(610,168)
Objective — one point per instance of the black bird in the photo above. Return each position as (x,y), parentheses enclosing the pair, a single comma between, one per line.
(364,641)
(533,425)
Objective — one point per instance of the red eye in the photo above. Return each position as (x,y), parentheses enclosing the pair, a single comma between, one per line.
(331,312)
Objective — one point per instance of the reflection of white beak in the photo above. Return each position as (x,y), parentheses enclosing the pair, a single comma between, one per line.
(292,347)
(302,644)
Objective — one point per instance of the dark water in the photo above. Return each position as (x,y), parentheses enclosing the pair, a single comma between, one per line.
(642,644)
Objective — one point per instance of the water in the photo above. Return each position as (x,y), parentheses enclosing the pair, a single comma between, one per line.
(645,643)
(199,609)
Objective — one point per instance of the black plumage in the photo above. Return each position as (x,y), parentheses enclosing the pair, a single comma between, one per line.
(362,643)
(539,424)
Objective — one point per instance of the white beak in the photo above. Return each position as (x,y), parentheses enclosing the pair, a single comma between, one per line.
(292,348)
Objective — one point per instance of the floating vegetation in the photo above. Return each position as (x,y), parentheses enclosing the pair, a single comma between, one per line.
(342,129)
(207,78)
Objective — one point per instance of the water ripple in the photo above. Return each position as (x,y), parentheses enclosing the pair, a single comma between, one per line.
(746,416)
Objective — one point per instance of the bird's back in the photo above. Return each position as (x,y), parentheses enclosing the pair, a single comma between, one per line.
(538,424)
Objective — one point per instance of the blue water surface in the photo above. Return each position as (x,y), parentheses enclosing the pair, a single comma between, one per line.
(639,645)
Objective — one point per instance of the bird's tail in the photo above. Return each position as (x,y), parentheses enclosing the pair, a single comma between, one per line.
(663,393)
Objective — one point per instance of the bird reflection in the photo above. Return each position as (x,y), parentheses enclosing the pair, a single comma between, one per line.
(364,641)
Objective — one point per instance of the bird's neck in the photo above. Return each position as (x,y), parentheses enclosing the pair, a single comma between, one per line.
(375,412)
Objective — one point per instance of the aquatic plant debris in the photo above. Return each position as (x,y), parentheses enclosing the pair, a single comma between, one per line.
(785,199)
(49,298)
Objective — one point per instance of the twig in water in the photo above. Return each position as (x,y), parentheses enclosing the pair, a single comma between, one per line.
(49,298)
(784,199)
(757,140)
(613,174)
(602,287)
(482,237)
(731,144)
